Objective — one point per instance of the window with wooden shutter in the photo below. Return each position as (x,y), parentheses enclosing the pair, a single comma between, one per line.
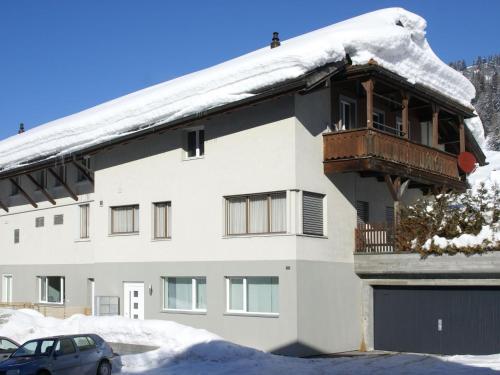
(312,213)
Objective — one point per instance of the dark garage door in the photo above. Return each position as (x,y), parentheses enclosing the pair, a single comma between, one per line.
(442,320)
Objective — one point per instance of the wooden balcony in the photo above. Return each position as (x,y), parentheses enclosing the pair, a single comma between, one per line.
(373,151)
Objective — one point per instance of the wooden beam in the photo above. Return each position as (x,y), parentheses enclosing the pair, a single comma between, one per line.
(393,188)
(4,207)
(368,86)
(63,183)
(88,174)
(41,188)
(435,126)
(461,132)
(23,192)
(404,115)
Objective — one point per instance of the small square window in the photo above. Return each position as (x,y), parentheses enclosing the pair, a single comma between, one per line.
(16,235)
(58,219)
(39,222)
(195,143)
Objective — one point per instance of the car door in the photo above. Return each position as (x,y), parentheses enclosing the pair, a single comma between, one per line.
(7,347)
(90,355)
(66,358)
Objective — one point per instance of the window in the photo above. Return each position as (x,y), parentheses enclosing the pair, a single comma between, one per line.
(41,179)
(399,126)
(256,214)
(61,172)
(80,176)
(84,221)
(195,143)
(162,220)
(84,343)
(51,289)
(426,133)
(312,213)
(125,219)
(58,219)
(39,222)
(7,288)
(185,293)
(347,113)
(7,346)
(15,183)
(65,346)
(16,235)
(379,119)
(363,212)
(252,295)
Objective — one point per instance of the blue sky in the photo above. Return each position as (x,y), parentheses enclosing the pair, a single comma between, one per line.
(60,57)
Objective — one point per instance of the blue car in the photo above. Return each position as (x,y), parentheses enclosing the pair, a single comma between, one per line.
(63,355)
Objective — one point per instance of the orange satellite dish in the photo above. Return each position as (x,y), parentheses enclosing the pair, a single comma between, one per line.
(467,162)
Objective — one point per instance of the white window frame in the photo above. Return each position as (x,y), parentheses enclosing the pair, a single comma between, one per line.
(194,284)
(245,297)
(4,288)
(198,154)
(79,228)
(62,285)
(343,100)
(168,223)
(427,139)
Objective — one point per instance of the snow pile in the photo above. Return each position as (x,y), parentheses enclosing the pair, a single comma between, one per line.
(393,37)
(486,235)
(185,350)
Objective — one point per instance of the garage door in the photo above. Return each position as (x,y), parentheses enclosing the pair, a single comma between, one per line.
(442,320)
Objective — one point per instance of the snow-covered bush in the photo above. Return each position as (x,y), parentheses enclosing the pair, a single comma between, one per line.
(452,223)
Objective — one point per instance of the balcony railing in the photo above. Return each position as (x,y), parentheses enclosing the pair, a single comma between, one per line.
(375,238)
(366,143)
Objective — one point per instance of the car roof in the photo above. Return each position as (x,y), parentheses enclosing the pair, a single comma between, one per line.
(58,337)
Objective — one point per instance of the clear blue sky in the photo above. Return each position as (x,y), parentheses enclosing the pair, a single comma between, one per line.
(60,57)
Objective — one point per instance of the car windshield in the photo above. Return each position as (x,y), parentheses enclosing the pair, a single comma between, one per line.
(34,348)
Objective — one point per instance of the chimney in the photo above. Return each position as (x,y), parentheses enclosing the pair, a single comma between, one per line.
(21,128)
(276,40)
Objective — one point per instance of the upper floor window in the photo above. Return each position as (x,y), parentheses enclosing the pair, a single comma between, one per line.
(58,219)
(61,171)
(39,222)
(16,235)
(195,143)
(312,213)
(51,289)
(80,176)
(426,133)
(125,219)
(362,212)
(379,119)
(15,188)
(162,220)
(347,113)
(256,214)
(84,221)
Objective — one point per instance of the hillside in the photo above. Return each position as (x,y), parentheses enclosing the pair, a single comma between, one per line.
(483,73)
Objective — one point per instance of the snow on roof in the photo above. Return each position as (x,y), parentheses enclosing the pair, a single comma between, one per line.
(394,37)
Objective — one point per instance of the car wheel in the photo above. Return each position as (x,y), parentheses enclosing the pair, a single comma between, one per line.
(104,369)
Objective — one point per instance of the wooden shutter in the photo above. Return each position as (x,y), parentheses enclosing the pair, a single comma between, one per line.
(312,214)
(363,212)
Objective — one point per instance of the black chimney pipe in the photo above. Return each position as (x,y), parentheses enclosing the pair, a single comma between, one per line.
(21,128)
(276,40)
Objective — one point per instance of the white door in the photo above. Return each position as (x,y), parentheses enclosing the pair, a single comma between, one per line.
(7,288)
(133,300)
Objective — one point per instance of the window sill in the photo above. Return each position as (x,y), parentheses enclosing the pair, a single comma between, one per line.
(186,312)
(312,236)
(122,234)
(83,240)
(161,239)
(53,304)
(193,158)
(257,235)
(251,314)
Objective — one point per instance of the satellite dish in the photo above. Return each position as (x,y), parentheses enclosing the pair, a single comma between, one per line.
(467,162)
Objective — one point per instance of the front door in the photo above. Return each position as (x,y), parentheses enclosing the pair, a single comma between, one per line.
(7,288)
(133,300)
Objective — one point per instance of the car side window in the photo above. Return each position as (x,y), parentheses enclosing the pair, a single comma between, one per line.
(84,343)
(65,346)
(7,346)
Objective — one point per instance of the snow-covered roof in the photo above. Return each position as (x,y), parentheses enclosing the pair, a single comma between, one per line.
(393,37)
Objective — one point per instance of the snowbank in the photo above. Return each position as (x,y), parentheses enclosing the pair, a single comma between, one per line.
(394,37)
(185,350)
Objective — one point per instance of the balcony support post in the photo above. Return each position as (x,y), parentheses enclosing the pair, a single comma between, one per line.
(461,132)
(435,126)
(404,115)
(369,86)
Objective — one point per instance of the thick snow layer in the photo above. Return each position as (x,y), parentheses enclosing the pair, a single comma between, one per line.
(185,350)
(377,35)
(476,127)
(465,240)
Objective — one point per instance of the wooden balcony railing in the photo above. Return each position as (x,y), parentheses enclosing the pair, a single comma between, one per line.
(375,238)
(373,143)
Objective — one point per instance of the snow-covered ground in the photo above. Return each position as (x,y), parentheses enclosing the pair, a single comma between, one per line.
(185,350)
